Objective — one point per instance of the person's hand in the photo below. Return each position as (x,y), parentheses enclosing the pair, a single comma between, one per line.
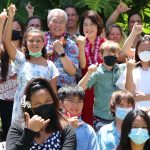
(3,16)
(122,7)
(137,29)
(30,9)
(36,123)
(92,68)
(80,40)
(131,64)
(58,47)
(11,10)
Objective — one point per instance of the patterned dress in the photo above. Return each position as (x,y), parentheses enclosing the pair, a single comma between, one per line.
(25,72)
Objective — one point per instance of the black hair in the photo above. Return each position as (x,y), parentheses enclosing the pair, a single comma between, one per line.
(35,85)
(70,90)
(34,17)
(4,65)
(127,126)
(72,6)
(95,18)
(140,40)
(118,96)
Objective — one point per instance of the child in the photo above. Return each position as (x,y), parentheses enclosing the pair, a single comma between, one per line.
(72,97)
(121,103)
(135,131)
(103,79)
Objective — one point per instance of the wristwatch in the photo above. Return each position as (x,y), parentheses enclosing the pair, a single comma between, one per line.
(62,55)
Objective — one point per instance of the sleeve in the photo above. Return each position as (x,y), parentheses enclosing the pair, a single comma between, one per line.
(101,141)
(19,60)
(19,139)
(93,142)
(92,80)
(122,80)
(73,53)
(69,139)
(53,71)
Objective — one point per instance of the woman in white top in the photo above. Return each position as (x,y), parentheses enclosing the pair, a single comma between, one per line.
(137,76)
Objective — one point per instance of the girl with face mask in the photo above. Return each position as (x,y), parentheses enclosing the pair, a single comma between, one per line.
(30,64)
(135,131)
(136,78)
(43,126)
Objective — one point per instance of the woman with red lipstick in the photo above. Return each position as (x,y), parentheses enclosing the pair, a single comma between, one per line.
(91,26)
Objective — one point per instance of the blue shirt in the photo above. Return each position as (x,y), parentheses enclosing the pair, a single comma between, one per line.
(86,138)
(108,137)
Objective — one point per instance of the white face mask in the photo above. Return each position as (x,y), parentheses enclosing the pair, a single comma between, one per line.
(144,56)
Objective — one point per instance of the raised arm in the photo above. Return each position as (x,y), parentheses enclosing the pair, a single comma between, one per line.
(129,85)
(11,49)
(3,17)
(136,30)
(83,82)
(121,8)
(30,9)
(81,44)
(68,65)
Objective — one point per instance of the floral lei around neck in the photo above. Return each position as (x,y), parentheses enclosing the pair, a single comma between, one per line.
(52,52)
(92,56)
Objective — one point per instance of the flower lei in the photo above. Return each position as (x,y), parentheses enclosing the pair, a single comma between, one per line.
(92,56)
(48,43)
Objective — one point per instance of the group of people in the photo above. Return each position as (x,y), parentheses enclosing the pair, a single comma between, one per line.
(70,88)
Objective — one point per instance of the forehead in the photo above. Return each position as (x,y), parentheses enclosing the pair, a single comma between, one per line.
(34,21)
(70,10)
(57,16)
(144,45)
(34,35)
(74,97)
(135,17)
(16,24)
(39,95)
(139,120)
(115,29)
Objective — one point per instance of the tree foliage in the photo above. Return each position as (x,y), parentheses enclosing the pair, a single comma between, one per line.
(103,7)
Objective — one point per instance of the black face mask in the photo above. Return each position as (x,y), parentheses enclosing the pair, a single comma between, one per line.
(16,35)
(110,60)
(45,111)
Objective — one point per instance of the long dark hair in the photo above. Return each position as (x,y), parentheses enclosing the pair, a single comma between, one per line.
(34,85)
(25,48)
(127,126)
(4,65)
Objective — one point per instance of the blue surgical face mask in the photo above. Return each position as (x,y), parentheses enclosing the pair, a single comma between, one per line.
(38,54)
(139,135)
(122,112)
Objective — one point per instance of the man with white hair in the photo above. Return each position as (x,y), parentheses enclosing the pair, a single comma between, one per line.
(60,49)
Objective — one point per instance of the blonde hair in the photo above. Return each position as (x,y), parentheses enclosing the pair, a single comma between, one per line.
(111,46)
